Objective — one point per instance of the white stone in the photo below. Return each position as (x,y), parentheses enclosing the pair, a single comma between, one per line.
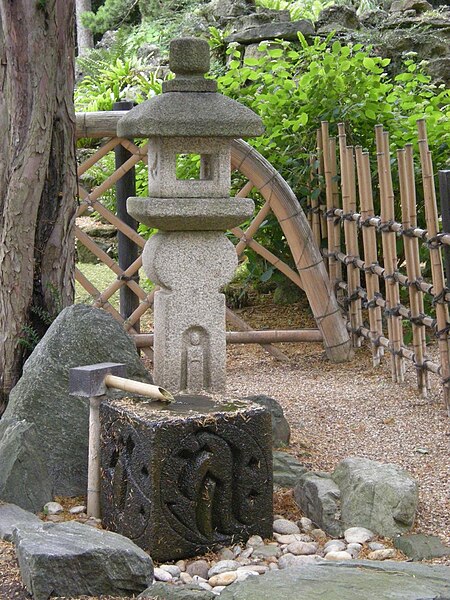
(306,524)
(53,508)
(161,575)
(383,554)
(225,578)
(226,554)
(285,527)
(254,541)
(185,577)
(223,566)
(376,546)
(218,589)
(359,535)
(299,548)
(293,537)
(335,546)
(246,553)
(291,560)
(237,550)
(181,564)
(253,568)
(342,555)
(273,566)
(76,510)
(172,569)
(205,585)
(354,549)
(318,535)
(198,580)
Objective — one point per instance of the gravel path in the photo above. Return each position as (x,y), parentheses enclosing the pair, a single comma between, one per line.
(353,409)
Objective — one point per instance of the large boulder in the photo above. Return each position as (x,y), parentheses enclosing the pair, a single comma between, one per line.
(351,580)
(24,477)
(381,497)
(337,18)
(11,516)
(272,31)
(71,559)
(53,423)
(318,497)
(419,546)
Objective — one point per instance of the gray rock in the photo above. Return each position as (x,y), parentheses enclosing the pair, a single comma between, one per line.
(285,31)
(337,17)
(319,498)
(222,567)
(419,6)
(353,580)
(419,546)
(24,480)
(199,568)
(286,470)
(289,560)
(358,535)
(381,497)
(285,527)
(12,515)
(55,429)
(167,591)
(71,559)
(281,432)
(266,551)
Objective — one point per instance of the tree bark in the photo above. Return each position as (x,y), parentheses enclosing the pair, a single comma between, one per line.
(37,173)
(85,39)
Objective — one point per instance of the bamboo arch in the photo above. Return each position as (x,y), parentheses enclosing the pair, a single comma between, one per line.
(311,273)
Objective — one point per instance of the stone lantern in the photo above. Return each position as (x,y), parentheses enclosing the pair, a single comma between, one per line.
(190,258)
(183,478)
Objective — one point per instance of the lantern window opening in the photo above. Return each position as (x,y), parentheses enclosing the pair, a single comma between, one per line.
(193,166)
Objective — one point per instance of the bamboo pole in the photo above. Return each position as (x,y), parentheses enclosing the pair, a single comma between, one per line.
(411,256)
(332,263)
(388,239)
(320,173)
(94,477)
(370,252)
(314,199)
(437,272)
(267,336)
(353,274)
(336,204)
(138,387)
(98,155)
(252,228)
(241,324)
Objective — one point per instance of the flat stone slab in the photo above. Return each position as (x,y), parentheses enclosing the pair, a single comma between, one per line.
(350,580)
(167,591)
(11,516)
(183,478)
(419,546)
(71,559)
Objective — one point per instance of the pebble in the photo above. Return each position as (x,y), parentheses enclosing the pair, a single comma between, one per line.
(318,535)
(267,551)
(221,567)
(53,508)
(298,548)
(224,579)
(285,527)
(254,541)
(342,555)
(161,575)
(185,577)
(237,551)
(246,553)
(55,518)
(198,567)
(306,524)
(360,535)
(205,586)
(335,546)
(293,537)
(382,554)
(260,569)
(76,510)
(243,575)
(181,564)
(218,589)
(226,554)
(376,546)
(172,569)
(354,549)
(198,580)
(291,560)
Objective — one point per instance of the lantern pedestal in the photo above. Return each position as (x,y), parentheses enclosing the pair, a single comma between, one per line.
(189,477)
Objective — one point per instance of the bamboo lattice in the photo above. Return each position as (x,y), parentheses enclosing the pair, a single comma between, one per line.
(382,241)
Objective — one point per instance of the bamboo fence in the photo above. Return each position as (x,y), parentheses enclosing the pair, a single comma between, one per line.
(385,253)
(308,274)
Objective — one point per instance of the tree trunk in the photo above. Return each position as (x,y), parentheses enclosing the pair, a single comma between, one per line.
(85,39)
(37,173)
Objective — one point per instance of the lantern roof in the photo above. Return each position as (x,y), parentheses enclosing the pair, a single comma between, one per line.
(190,105)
